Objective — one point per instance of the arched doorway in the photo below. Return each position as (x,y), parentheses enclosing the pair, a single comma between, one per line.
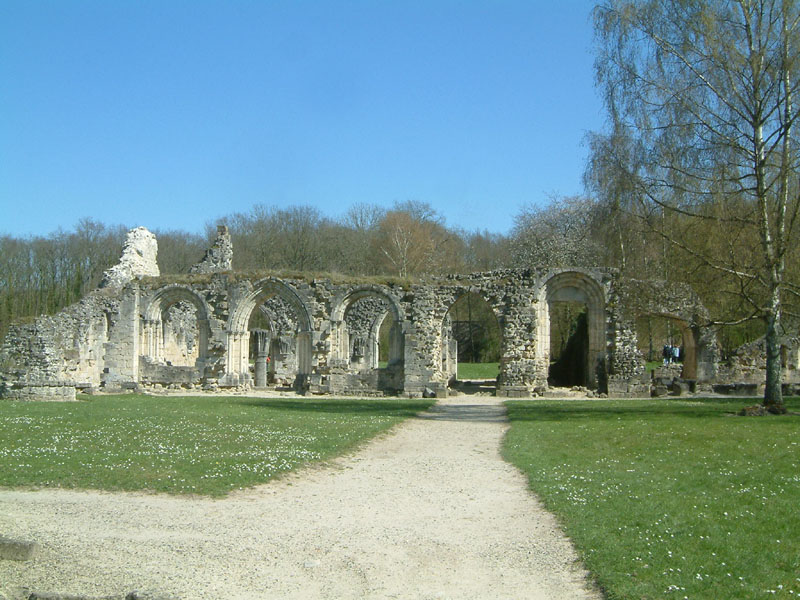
(175,328)
(369,340)
(471,343)
(569,344)
(571,319)
(283,325)
(667,341)
(273,351)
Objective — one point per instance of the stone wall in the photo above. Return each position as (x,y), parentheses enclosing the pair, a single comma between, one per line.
(57,354)
(218,258)
(748,364)
(322,335)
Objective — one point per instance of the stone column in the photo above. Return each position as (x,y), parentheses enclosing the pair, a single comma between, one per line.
(150,340)
(262,351)
(236,361)
(158,340)
(522,368)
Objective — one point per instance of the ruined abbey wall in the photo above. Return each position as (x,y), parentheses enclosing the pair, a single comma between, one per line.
(215,329)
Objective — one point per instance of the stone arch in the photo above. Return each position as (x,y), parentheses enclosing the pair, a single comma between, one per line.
(448,350)
(153,320)
(690,341)
(238,335)
(273,331)
(678,303)
(342,345)
(575,286)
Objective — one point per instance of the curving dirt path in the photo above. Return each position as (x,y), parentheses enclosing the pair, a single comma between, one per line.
(429,510)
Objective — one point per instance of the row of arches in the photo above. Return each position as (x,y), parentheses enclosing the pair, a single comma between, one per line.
(269,333)
(269,336)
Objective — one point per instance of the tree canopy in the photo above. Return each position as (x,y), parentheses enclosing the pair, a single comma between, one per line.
(702,147)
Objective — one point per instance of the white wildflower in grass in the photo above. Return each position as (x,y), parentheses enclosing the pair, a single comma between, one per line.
(679,486)
(181,445)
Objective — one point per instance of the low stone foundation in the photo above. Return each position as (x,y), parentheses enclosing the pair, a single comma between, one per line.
(153,373)
(45,391)
(737,389)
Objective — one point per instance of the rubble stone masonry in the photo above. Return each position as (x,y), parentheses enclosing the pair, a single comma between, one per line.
(323,336)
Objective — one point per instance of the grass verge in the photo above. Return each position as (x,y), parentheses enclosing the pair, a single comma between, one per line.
(195,445)
(478,370)
(669,498)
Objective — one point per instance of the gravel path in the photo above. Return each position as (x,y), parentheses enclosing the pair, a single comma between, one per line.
(429,510)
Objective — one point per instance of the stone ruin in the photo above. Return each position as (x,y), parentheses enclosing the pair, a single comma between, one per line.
(214,329)
(219,257)
(138,259)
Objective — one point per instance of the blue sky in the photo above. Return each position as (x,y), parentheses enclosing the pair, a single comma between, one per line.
(172,113)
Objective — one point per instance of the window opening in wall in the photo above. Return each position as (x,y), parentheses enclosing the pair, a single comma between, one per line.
(361,337)
(108,324)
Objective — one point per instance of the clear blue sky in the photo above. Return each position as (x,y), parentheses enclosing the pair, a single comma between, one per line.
(172,113)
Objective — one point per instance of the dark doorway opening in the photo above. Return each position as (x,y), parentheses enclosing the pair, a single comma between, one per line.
(569,344)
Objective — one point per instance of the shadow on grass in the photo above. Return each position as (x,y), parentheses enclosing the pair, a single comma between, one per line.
(393,408)
(422,409)
(479,413)
(695,408)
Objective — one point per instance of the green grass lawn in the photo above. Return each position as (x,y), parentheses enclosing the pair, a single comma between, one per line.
(478,370)
(200,445)
(669,498)
(653,365)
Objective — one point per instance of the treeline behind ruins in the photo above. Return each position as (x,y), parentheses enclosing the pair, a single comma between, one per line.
(41,275)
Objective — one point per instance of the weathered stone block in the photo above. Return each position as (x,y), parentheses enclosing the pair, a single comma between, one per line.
(513,392)
(11,549)
(659,390)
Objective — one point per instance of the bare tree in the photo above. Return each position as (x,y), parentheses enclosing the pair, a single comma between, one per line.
(254,237)
(485,251)
(363,217)
(45,273)
(412,239)
(705,92)
(354,238)
(178,250)
(300,246)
